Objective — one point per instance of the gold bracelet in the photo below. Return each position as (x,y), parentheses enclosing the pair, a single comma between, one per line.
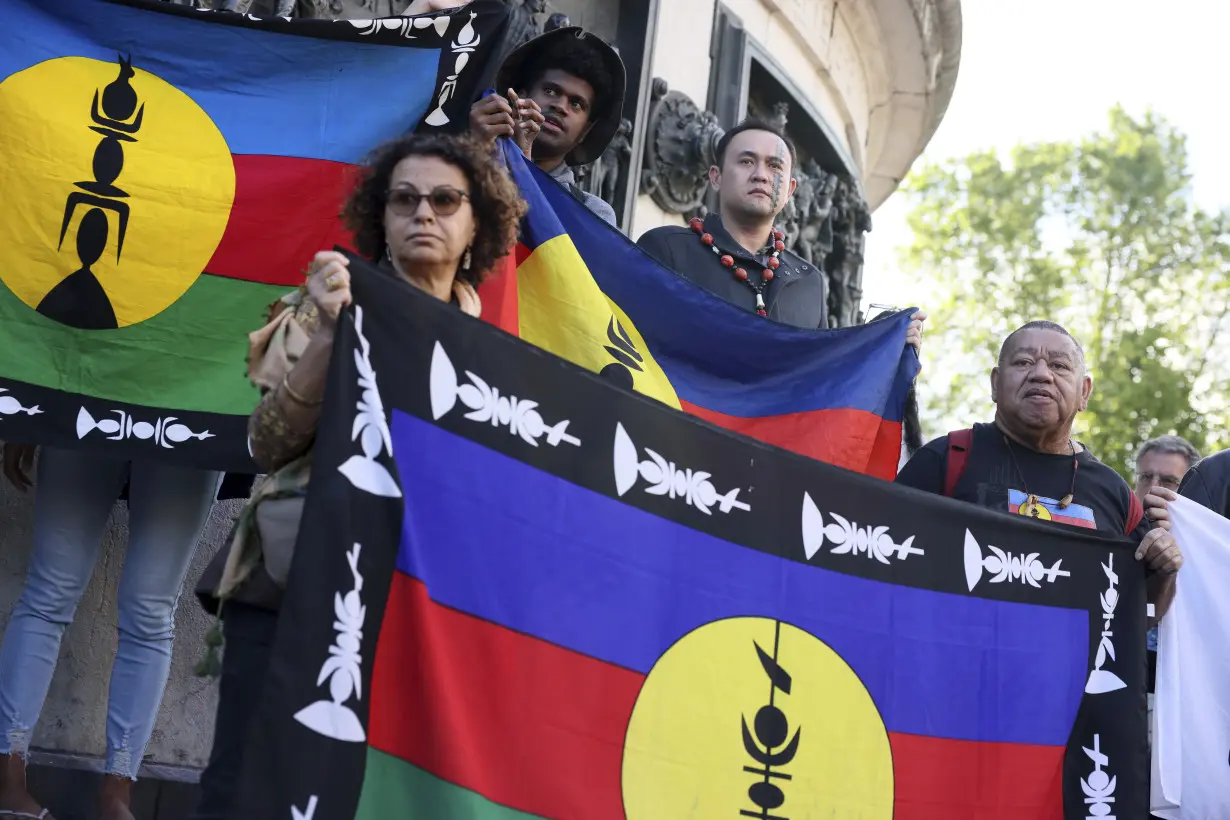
(296,397)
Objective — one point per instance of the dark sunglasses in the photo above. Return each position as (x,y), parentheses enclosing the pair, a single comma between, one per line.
(443,200)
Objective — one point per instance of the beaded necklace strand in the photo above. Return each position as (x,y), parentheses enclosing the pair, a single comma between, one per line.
(777,242)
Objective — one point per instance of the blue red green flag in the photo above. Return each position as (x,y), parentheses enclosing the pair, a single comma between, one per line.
(169,173)
(533,594)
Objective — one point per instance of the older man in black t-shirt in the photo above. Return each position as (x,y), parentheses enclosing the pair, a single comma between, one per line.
(1027,463)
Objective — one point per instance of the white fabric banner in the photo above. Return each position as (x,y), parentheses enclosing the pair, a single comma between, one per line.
(1191,715)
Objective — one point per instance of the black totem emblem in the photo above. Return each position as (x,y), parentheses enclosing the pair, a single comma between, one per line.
(771,732)
(79,299)
(625,354)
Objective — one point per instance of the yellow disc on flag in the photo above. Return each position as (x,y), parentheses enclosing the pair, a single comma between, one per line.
(116,191)
(1034,509)
(752,717)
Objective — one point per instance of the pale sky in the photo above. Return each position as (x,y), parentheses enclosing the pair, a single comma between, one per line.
(1034,70)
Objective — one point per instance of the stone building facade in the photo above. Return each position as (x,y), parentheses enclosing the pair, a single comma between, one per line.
(861,86)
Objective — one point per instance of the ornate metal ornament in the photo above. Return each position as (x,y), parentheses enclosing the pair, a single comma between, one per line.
(604,178)
(851,219)
(523,24)
(680,146)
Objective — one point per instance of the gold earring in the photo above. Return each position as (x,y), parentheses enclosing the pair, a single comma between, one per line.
(465,260)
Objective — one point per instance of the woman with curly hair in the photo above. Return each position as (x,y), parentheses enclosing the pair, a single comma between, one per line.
(436,212)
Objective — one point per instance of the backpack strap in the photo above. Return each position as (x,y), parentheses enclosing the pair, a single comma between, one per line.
(1135,512)
(959,442)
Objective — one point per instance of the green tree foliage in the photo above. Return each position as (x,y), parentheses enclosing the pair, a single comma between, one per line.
(1102,236)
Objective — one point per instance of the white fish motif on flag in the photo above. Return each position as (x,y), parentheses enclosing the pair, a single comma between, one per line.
(520,416)
(371,429)
(466,43)
(488,406)
(306,814)
(665,478)
(344,667)
(1099,787)
(1004,566)
(9,405)
(1102,680)
(164,432)
(848,538)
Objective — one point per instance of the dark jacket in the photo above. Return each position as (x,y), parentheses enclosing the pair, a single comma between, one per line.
(797,295)
(1208,483)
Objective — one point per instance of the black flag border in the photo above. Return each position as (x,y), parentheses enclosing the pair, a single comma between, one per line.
(298,766)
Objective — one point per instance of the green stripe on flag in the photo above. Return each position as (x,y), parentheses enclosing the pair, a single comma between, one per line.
(191,356)
(394,788)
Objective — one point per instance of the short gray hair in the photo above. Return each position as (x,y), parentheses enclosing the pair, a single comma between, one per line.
(1041,324)
(1167,445)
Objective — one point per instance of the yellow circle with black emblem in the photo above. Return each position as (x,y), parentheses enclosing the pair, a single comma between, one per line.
(116,191)
(1034,509)
(752,717)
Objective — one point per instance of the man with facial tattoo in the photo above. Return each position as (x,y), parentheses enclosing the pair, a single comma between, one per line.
(739,252)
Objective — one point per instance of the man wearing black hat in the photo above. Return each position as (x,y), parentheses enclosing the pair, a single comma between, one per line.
(565,99)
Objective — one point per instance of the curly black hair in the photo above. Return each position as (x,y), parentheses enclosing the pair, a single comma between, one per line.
(574,56)
(496,201)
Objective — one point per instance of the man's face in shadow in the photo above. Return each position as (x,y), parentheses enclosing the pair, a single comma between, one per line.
(567,104)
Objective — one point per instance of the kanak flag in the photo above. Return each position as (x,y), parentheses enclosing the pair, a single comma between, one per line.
(580,289)
(168,174)
(532,594)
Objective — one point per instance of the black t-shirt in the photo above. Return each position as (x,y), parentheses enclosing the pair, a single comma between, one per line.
(1101,501)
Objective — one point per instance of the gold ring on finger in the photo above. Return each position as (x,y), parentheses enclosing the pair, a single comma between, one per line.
(333,281)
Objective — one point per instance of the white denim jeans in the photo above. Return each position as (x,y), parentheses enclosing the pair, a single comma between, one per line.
(74,495)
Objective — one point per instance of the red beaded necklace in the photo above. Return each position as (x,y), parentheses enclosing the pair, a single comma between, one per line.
(766,276)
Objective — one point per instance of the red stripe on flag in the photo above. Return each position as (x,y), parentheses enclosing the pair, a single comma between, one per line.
(1056,518)
(498,293)
(539,728)
(522,253)
(524,723)
(854,439)
(285,210)
(886,451)
(939,779)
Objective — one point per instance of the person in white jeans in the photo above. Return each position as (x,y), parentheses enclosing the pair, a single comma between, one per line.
(168,507)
